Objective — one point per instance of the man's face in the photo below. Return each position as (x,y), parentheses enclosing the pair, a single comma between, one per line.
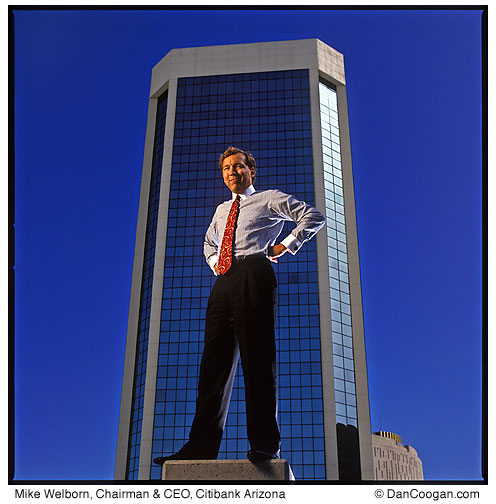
(237,175)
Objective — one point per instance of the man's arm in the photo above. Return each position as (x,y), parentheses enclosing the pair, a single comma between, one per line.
(211,245)
(308,222)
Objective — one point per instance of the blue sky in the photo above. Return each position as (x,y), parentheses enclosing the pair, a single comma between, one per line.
(414,95)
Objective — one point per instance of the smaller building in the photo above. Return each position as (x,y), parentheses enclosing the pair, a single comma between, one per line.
(392,460)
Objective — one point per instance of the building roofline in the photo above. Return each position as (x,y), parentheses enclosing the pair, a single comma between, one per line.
(178,49)
(250,57)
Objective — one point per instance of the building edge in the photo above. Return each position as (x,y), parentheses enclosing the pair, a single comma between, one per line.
(134,302)
(359,350)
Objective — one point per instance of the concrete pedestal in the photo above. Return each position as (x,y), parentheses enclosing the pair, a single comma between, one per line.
(224,470)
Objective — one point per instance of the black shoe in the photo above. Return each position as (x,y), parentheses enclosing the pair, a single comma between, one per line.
(160,460)
(261,456)
(183,454)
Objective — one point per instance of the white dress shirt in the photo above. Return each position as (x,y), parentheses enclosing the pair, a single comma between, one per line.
(260,221)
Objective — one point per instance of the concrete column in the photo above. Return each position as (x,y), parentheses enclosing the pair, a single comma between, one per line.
(362,395)
(158,281)
(134,303)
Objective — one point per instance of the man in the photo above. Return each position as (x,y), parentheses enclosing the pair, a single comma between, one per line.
(239,245)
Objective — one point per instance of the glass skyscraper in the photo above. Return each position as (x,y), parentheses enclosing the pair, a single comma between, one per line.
(285,102)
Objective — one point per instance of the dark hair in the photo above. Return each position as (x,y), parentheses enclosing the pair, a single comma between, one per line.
(250,160)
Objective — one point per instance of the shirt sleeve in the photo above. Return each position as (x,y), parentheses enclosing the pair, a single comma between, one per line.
(292,243)
(211,243)
(308,220)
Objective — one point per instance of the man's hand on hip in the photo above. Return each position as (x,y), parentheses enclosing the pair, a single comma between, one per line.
(276,251)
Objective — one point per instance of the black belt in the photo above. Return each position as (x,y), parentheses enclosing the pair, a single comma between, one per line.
(251,257)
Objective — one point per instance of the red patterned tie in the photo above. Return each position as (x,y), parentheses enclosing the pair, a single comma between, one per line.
(225,255)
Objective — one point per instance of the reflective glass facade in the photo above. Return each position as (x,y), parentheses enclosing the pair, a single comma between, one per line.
(146,293)
(267,114)
(342,334)
(342,341)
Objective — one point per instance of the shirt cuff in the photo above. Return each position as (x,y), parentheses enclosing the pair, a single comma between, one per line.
(212,262)
(292,244)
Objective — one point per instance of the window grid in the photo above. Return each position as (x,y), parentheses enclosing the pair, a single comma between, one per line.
(342,341)
(146,295)
(267,114)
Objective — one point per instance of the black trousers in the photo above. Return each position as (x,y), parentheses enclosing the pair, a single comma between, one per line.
(239,321)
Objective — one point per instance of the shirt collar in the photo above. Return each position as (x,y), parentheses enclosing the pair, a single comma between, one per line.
(248,192)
